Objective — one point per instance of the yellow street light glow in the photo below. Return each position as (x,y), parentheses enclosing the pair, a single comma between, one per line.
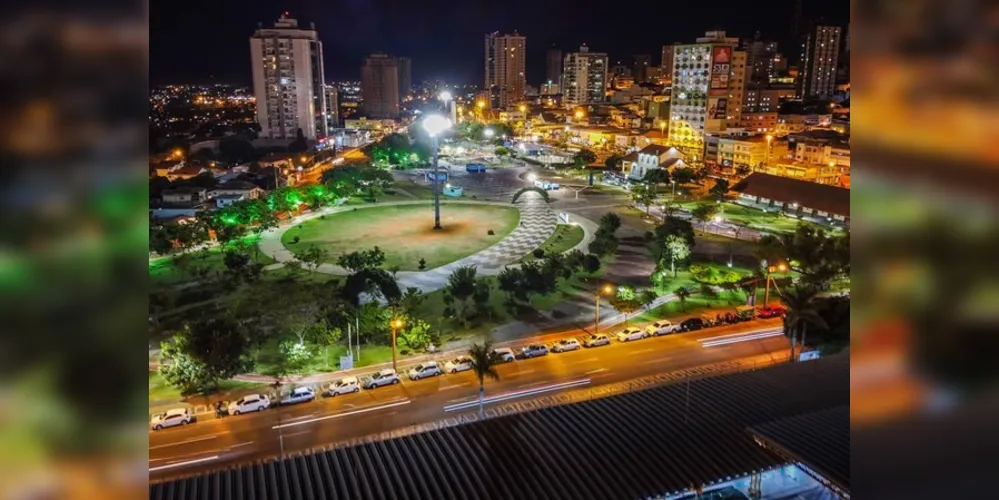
(481,104)
(782,267)
(608,289)
(397,323)
(523,108)
(579,114)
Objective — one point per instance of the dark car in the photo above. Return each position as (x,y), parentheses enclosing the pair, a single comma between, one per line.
(692,324)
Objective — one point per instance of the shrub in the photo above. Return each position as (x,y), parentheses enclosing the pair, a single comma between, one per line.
(538,253)
(404,351)
(423,263)
(295,239)
(491,232)
(322,217)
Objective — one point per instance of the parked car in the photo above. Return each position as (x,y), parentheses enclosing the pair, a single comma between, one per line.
(533,350)
(345,385)
(385,377)
(771,311)
(505,354)
(692,324)
(170,418)
(662,327)
(459,364)
(596,340)
(247,404)
(565,345)
(424,370)
(299,395)
(631,333)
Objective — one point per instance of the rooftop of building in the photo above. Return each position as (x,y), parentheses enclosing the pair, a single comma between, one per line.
(820,440)
(655,149)
(692,431)
(831,199)
(236,185)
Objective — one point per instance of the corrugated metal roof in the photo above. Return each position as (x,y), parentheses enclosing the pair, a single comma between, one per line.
(628,446)
(820,440)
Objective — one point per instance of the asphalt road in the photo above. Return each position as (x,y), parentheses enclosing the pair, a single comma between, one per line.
(213,443)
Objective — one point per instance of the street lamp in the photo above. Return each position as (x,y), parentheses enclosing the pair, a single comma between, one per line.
(579,114)
(488,132)
(435,125)
(396,325)
(522,108)
(781,267)
(606,289)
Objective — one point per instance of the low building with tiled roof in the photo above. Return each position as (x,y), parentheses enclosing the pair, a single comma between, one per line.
(652,157)
(795,196)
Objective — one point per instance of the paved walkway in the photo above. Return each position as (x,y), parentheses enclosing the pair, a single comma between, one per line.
(538,222)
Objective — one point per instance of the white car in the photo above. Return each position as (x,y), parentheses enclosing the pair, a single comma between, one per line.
(565,345)
(596,340)
(387,376)
(345,385)
(631,333)
(246,404)
(170,418)
(661,327)
(459,364)
(424,370)
(299,395)
(505,354)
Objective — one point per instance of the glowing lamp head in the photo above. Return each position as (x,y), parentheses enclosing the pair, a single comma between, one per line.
(782,267)
(445,96)
(608,289)
(718,219)
(435,124)
(481,104)
(579,114)
(397,323)
(488,132)
(769,137)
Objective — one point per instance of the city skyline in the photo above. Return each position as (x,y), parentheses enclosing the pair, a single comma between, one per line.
(444,45)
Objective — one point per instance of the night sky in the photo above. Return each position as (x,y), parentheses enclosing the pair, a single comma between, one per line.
(204,41)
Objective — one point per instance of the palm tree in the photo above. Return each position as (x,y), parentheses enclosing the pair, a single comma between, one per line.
(801,311)
(682,293)
(484,361)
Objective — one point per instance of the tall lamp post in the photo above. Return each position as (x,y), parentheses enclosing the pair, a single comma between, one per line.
(606,289)
(434,125)
(396,325)
(445,96)
(770,270)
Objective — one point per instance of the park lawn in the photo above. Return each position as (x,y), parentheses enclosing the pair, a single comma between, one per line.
(419,191)
(754,218)
(565,237)
(160,392)
(163,271)
(685,279)
(697,304)
(323,360)
(465,233)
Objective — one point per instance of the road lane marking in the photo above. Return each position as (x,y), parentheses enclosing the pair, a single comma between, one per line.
(521,372)
(591,360)
(740,334)
(640,351)
(206,438)
(347,414)
(240,444)
(454,386)
(746,338)
(517,394)
(597,371)
(181,464)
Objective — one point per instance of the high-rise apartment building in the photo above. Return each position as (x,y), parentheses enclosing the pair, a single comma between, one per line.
(332,106)
(584,79)
(739,73)
(666,63)
(380,87)
(505,56)
(641,67)
(405,76)
(762,58)
(702,90)
(818,61)
(553,68)
(288,82)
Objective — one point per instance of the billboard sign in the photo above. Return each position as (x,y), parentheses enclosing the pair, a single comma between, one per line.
(721,66)
(717,108)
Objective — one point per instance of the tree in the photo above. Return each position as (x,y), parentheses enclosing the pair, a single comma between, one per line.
(313,257)
(239,267)
(610,221)
(480,297)
(742,170)
(411,300)
(704,212)
(720,189)
(682,293)
(583,158)
(626,300)
(361,260)
(296,354)
(484,361)
(642,194)
(160,240)
(612,162)
(509,281)
(801,312)
(684,175)
(461,286)
(416,335)
(208,351)
(817,256)
(656,176)
(502,151)
(299,145)
(591,264)
(677,249)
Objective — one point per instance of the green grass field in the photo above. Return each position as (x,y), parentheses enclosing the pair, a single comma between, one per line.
(562,240)
(405,232)
(751,217)
(165,271)
(160,392)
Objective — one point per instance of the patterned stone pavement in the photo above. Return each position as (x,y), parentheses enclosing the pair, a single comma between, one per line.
(537,219)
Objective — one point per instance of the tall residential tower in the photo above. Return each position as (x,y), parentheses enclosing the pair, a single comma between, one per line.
(584,77)
(505,56)
(380,87)
(819,58)
(288,82)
